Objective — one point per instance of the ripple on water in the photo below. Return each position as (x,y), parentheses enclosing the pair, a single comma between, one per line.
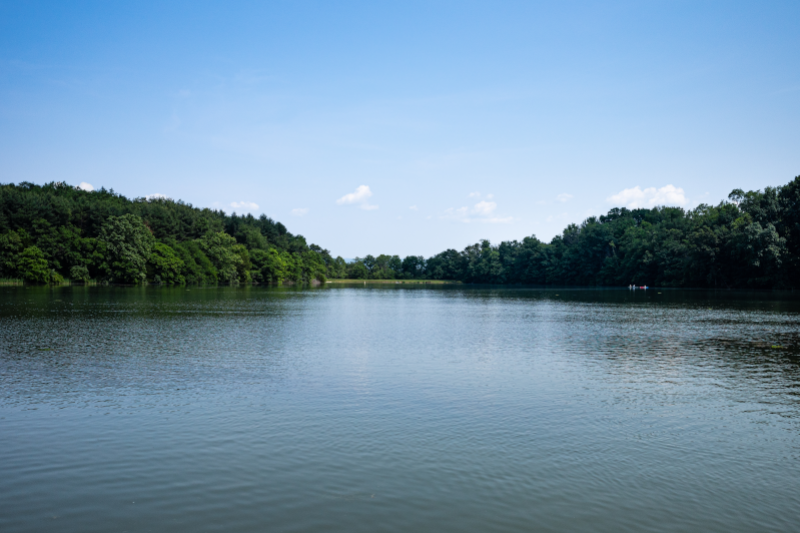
(435,409)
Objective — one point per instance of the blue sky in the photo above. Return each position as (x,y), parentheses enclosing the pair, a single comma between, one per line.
(404,127)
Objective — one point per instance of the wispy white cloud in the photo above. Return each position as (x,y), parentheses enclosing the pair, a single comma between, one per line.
(461,214)
(564,197)
(483,211)
(361,194)
(360,197)
(474,195)
(637,197)
(86,186)
(247,206)
(299,211)
(484,208)
(414,208)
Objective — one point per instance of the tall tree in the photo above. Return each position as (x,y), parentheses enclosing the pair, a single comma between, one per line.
(128,243)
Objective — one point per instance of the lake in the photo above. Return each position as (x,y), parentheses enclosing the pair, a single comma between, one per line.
(398,408)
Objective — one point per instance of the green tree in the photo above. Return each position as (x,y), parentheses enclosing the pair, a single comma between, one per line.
(197,266)
(79,273)
(338,268)
(269,265)
(128,243)
(219,247)
(357,270)
(789,228)
(244,264)
(251,237)
(10,246)
(65,223)
(32,266)
(165,265)
(313,267)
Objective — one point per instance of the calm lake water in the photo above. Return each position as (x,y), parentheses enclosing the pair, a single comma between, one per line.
(387,408)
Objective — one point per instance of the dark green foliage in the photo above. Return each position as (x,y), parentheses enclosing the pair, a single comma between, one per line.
(357,270)
(33,267)
(197,267)
(128,245)
(79,273)
(448,265)
(50,231)
(10,246)
(219,248)
(752,241)
(165,265)
(381,267)
(788,227)
(54,230)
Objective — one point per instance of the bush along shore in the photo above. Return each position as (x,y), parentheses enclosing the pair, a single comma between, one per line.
(55,232)
(52,232)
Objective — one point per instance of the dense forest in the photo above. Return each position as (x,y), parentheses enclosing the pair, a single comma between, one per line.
(750,241)
(55,231)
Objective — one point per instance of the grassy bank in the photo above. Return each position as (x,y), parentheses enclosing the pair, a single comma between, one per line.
(63,282)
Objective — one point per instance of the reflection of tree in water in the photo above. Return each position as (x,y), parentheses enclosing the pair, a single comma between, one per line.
(89,344)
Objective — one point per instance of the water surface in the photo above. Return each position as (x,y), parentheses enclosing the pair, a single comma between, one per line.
(398,409)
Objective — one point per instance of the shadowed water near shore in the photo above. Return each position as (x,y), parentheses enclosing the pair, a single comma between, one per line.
(397,408)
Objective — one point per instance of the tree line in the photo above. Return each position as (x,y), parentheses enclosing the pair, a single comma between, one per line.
(752,240)
(56,231)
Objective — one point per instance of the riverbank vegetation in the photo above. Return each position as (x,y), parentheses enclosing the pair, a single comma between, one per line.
(55,231)
(752,240)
